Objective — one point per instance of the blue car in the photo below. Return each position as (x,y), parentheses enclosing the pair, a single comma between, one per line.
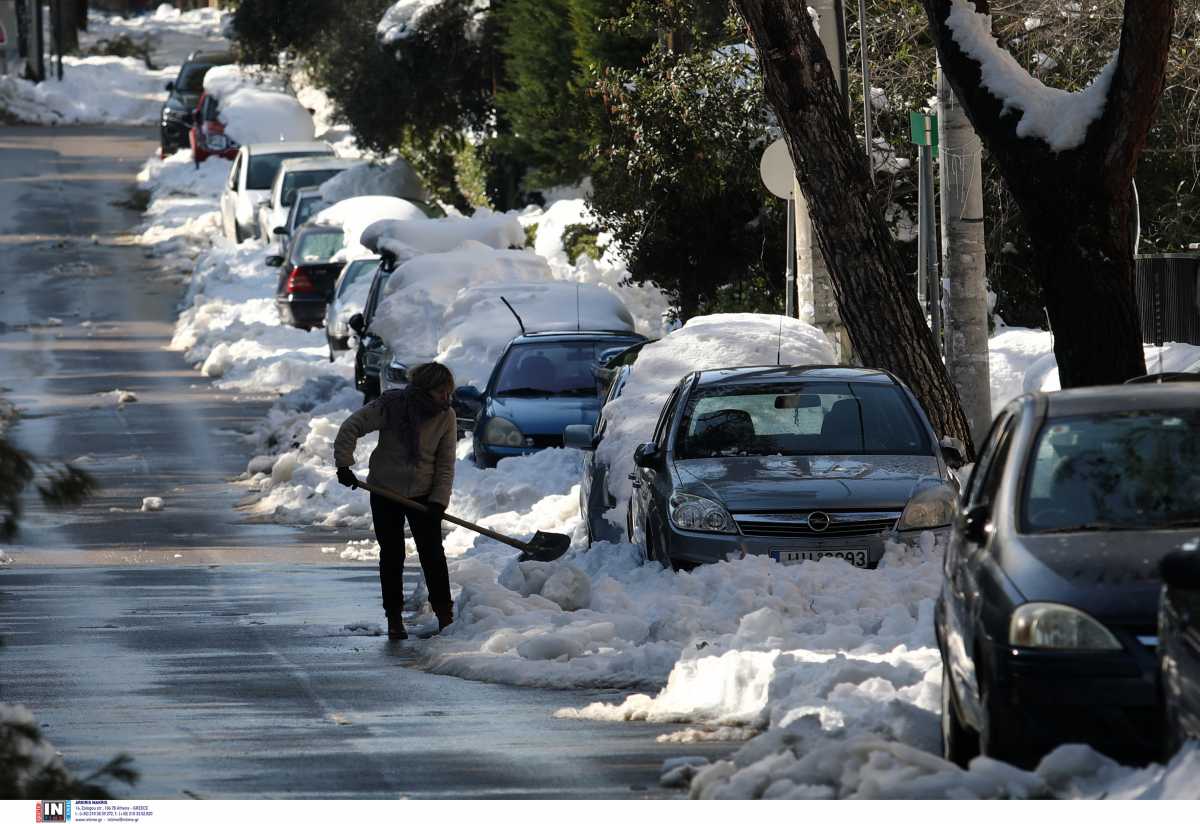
(544,382)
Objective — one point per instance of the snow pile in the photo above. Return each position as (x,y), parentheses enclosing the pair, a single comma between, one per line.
(355,214)
(182,217)
(1058,117)
(394,178)
(403,19)
(499,231)
(255,106)
(93,91)
(165,19)
(706,342)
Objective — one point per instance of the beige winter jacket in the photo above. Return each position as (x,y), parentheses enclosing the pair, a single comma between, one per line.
(431,474)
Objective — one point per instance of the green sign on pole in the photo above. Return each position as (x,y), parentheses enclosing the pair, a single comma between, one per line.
(923,128)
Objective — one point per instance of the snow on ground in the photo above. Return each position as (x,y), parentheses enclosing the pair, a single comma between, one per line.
(164,20)
(94,90)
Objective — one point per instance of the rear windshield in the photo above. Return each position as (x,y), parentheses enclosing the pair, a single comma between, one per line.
(567,368)
(825,418)
(316,247)
(191,78)
(302,180)
(1131,470)
(263,167)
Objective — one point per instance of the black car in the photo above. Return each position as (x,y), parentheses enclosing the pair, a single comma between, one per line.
(1179,647)
(1047,620)
(372,351)
(185,92)
(307,275)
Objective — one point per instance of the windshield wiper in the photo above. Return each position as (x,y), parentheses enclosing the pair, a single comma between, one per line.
(578,390)
(525,392)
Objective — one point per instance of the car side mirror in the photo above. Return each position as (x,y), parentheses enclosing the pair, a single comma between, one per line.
(279,230)
(274,260)
(468,394)
(357,323)
(954,452)
(579,436)
(1181,569)
(647,456)
(975,523)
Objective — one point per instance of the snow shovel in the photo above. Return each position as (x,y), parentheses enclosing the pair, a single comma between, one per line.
(544,546)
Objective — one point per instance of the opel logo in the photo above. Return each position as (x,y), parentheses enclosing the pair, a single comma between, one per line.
(818,521)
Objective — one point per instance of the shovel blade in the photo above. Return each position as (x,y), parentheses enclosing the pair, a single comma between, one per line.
(547,546)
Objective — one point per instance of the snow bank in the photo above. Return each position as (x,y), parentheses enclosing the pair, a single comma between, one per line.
(394,178)
(707,342)
(165,19)
(500,231)
(255,105)
(94,90)
(355,214)
(1058,117)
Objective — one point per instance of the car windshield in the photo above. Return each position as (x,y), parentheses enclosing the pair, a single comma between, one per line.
(816,418)
(263,167)
(308,207)
(316,247)
(1128,470)
(357,272)
(383,276)
(191,78)
(541,369)
(302,180)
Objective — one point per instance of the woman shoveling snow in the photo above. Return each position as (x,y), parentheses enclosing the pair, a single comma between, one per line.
(414,458)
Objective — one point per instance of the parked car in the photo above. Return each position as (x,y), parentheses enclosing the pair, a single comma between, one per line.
(308,202)
(349,297)
(206,134)
(1047,617)
(250,181)
(371,354)
(184,95)
(797,463)
(293,175)
(543,382)
(1179,647)
(595,499)
(307,276)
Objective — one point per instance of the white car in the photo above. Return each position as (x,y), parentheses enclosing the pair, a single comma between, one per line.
(291,176)
(250,180)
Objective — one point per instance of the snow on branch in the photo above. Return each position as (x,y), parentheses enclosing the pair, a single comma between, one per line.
(1057,117)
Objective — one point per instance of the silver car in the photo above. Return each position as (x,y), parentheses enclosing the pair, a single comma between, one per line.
(350,295)
(797,463)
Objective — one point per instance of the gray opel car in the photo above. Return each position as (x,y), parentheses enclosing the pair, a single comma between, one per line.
(795,462)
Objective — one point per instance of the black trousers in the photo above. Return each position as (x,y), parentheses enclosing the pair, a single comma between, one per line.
(389,518)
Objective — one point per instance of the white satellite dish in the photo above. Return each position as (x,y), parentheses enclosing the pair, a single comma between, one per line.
(776,170)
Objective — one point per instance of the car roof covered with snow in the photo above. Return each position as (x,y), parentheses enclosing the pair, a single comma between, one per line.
(287,146)
(816,372)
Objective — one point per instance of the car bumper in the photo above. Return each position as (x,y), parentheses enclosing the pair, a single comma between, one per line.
(487,455)
(708,548)
(174,135)
(303,313)
(1106,700)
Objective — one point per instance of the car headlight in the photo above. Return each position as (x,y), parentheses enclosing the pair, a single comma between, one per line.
(929,509)
(699,514)
(396,372)
(503,432)
(217,141)
(1058,626)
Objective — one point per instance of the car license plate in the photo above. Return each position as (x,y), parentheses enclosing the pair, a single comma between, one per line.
(855,557)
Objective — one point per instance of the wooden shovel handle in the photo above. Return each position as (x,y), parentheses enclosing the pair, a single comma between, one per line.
(419,507)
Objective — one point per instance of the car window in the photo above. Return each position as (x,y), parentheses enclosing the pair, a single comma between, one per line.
(357,277)
(191,78)
(801,418)
(263,167)
(237,168)
(1127,470)
(306,207)
(382,276)
(987,454)
(566,368)
(302,180)
(316,247)
(662,429)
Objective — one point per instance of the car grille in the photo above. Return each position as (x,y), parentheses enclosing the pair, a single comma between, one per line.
(546,441)
(797,524)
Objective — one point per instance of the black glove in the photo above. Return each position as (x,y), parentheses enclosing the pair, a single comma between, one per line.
(436,510)
(345,476)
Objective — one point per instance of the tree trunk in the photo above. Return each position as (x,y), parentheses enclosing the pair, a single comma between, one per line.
(878,306)
(81,7)
(69,24)
(1077,202)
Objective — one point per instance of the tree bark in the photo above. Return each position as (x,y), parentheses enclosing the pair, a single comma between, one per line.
(877,303)
(69,9)
(1077,203)
(81,7)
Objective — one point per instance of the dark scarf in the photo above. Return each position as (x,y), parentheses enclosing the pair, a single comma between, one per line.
(406,410)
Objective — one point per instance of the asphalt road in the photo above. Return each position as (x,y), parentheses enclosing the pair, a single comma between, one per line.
(212,650)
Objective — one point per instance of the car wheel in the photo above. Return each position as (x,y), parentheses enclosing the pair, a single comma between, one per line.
(959,743)
(1000,736)
(656,549)
(238,237)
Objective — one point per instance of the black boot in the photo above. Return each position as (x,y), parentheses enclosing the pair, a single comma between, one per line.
(396,630)
(445,616)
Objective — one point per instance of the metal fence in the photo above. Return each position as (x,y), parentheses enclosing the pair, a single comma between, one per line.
(1169,298)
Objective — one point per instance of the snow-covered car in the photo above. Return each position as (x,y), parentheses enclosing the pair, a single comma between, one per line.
(1179,648)
(1047,619)
(240,106)
(798,463)
(183,97)
(349,298)
(291,176)
(250,180)
(307,276)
